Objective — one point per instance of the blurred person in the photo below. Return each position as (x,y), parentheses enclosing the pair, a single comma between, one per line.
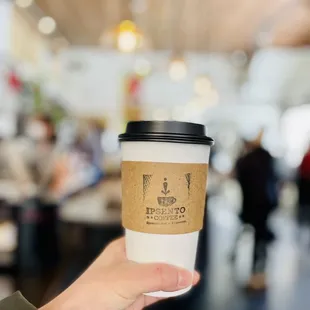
(41,131)
(72,163)
(12,164)
(112,282)
(94,140)
(255,173)
(27,154)
(88,141)
(81,164)
(30,158)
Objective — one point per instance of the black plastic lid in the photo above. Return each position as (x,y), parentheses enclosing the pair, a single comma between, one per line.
(166,131)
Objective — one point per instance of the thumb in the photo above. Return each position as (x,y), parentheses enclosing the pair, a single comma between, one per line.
(137,279)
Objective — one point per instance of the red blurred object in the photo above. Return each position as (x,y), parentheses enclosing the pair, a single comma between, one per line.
(304,168)
(132,104)
(14,81)
(134,85)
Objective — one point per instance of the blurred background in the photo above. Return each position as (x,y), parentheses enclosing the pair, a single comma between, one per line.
(74,72)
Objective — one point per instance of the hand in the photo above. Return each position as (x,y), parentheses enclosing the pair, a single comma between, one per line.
(114,283)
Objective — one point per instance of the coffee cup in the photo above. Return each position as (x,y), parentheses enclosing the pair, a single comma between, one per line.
(164,178)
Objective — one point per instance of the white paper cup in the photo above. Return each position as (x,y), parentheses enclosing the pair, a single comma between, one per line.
(175,249)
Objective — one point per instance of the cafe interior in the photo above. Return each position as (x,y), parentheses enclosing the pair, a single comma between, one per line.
(73,73)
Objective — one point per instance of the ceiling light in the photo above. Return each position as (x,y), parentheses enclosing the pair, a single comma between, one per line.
(177,70)
(24,3)
(126,41)
(47,25)
(128,36)
(127,25)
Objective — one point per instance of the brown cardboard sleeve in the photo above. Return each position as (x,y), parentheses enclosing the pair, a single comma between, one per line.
(163,198)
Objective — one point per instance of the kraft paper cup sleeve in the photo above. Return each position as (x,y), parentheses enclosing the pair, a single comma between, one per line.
(163,198)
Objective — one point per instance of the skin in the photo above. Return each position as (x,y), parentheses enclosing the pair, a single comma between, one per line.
(114,283)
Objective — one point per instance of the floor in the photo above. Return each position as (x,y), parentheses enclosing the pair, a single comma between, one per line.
(288,269)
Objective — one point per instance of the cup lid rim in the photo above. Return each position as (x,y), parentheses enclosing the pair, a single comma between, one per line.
(166,131)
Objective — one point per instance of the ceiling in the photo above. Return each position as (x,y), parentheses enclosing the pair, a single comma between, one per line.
(201,25)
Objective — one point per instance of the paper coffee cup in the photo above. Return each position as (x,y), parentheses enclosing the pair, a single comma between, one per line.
(164,177)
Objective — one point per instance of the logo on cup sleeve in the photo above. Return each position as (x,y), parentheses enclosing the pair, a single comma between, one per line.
(168,210)
(166,201)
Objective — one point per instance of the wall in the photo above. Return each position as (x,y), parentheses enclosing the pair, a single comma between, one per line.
(280,76)
(26,44)
(92,81)
(5,24)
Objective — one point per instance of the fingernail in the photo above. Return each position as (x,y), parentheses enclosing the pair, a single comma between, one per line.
(185,279)
(196,278)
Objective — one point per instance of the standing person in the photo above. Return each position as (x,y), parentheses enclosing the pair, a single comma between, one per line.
(29,155)
(29,160)
(255,173)
(94,140)
(303,184)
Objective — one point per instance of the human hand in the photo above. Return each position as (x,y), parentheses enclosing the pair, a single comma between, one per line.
(114,283)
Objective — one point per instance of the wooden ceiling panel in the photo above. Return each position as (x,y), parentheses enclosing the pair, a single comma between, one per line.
(59,11)
(217,25)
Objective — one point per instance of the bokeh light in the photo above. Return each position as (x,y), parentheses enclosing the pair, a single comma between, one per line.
(202,85)
(126,41)
(296,132)
(47,25)
(177,69)
(128,36)
(142,67)
(24,3)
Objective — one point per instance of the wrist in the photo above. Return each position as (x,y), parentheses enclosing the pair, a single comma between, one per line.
(61,302)
(51,306)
